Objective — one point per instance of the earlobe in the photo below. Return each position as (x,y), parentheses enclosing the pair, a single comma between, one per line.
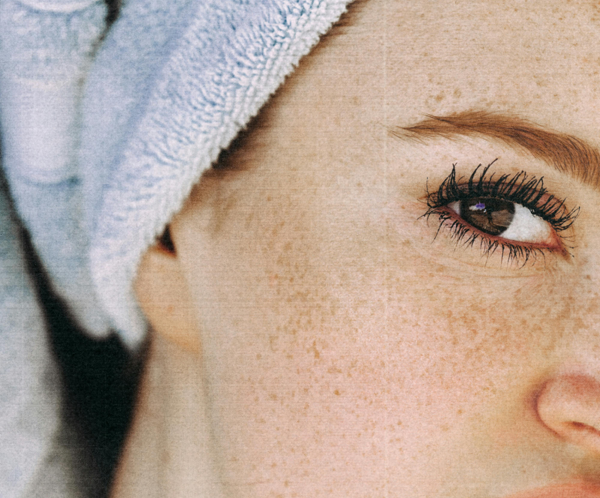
(162,292)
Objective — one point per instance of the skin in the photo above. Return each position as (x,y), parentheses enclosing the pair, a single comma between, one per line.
(337,347)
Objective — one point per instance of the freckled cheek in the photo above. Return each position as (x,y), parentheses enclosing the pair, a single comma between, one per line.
(338,348)
(313,405)
(467,338)
(298,378)
(462,309)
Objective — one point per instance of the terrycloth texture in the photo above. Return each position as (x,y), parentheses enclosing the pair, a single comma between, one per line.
(45,50)
(30,399)
(172,85)
(96,180)
(96,175)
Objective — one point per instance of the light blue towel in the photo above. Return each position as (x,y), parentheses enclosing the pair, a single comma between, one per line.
(173,84)
(30,399)
(103,136)
(46,47)
(45,50)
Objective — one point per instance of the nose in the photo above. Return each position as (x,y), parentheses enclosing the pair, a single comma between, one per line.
(569,405)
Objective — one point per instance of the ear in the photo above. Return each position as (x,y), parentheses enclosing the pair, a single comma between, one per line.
(162,292)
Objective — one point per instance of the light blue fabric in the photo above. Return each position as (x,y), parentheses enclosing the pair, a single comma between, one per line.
(45,50)
(172,85)
(30,399)
(46,47)
(103,136)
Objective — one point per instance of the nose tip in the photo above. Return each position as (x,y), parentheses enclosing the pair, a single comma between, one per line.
(569,405)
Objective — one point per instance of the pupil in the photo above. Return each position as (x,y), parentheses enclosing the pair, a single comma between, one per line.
(491,216)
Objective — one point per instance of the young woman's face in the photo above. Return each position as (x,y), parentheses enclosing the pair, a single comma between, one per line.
(368,331)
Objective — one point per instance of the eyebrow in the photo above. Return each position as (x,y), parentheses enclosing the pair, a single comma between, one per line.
(565,153)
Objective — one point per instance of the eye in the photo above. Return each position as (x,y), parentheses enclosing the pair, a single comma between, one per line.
(513,215)
(505,219)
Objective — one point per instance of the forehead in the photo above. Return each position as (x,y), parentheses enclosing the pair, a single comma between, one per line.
(393,62)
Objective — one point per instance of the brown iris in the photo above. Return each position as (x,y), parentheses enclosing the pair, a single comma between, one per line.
(491,216)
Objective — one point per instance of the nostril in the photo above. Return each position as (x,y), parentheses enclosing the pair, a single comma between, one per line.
(581,427)
(569,405)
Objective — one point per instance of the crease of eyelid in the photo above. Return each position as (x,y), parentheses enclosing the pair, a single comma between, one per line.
(566,153)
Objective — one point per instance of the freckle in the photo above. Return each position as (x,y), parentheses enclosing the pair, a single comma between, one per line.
(440,97)
(336,392)
(272,340)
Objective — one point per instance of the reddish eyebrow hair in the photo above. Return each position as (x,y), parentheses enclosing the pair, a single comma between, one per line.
(566,153)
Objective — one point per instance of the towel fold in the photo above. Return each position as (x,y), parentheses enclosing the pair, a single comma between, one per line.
(172,85)
(30,399)
(46,48)
(103,136)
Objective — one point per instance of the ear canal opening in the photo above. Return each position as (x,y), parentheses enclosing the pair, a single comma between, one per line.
(166,242)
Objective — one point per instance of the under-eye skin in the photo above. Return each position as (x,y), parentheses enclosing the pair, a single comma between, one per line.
(510,214)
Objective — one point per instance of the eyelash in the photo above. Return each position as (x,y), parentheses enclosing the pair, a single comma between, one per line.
(519,189)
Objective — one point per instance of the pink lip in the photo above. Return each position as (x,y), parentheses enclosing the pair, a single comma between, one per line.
(562,491)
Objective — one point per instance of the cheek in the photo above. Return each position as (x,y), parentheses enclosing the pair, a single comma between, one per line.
(330,349)
(466,339)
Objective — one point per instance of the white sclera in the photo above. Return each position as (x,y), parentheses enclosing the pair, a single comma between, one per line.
(525,226)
